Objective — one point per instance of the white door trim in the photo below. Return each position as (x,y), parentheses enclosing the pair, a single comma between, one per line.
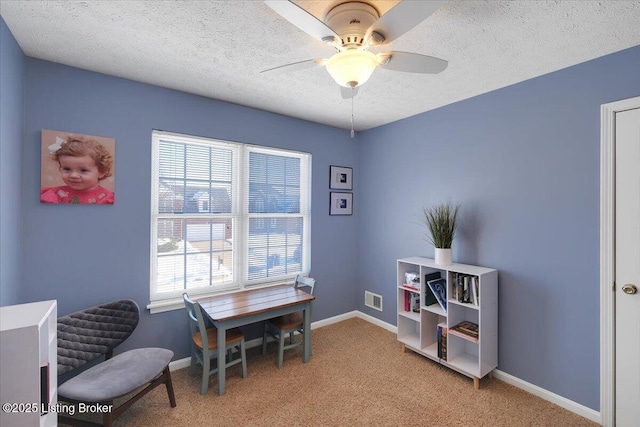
(607,252)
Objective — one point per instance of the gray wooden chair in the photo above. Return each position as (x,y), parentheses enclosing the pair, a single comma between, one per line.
(87,335)
(288,324)
(204,344)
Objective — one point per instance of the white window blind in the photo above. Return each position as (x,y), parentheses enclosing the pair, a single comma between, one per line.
(226,215)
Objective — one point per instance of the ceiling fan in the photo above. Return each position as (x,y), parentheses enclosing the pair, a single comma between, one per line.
(352,28)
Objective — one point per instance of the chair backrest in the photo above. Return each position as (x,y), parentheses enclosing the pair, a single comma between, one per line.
(305,282)
(196,319)
(93,332)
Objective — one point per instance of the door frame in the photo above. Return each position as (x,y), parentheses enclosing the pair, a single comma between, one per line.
(607,254)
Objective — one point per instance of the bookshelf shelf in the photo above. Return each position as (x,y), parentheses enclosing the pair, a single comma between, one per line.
(431,350)
(28,362)
(471,296)
(411,340)
(411,315)
(466,363)
(434,308)
(465,305)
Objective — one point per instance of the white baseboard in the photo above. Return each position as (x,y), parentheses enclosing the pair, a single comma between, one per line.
(180,364)
(567,404)
(351,315)
(335,319)
(184,363)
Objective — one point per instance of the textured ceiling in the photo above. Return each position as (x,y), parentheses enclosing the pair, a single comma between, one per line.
(218,48)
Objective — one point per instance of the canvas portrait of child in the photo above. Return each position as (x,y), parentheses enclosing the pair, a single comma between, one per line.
(77,169)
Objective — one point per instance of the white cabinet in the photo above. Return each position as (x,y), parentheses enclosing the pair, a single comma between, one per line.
(28,364)
(418,328)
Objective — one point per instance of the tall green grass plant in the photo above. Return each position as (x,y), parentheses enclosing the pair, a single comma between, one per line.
(441,221)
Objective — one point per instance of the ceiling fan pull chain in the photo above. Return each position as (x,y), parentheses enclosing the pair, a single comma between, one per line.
(352,96)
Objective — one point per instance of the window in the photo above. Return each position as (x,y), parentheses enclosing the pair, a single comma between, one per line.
(226,215)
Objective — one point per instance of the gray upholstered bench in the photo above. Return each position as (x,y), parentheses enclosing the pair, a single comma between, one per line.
(89,334)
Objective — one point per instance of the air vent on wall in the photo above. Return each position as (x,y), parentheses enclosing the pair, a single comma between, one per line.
(373,300)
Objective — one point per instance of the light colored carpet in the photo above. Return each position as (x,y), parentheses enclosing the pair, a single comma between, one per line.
(357,376)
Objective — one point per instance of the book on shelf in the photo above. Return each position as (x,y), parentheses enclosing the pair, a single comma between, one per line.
(442,341)
(465,288)
(467,330)
(454,286)
(404,285)
(414,302)
(411,301)
(429,298)
(474,291)
(439,289)
(458,286)
(44,389)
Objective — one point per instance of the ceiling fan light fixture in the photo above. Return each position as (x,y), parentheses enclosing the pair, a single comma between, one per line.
(352,67)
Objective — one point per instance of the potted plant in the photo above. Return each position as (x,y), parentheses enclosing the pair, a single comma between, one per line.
(441,221)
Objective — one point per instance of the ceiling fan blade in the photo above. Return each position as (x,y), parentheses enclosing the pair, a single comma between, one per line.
(347,92)
(295,66)
(411,62)
(403,17)
(302,19)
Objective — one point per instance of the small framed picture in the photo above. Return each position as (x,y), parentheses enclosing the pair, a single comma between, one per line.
(341,203)
(340,178)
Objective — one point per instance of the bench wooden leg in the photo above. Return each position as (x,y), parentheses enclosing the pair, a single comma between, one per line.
(476,383)
(169,384)
(107,419)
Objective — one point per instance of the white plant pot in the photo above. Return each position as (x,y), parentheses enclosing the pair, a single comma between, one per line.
(443,256)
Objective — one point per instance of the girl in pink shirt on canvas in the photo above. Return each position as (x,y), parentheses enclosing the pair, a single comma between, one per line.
(83,163)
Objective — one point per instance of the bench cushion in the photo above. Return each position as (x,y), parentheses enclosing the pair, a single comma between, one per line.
(117,376)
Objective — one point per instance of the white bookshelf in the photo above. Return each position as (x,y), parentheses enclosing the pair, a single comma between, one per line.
(28,342)
(417,331)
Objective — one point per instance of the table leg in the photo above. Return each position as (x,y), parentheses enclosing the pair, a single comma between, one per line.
(222,357)
(306,349)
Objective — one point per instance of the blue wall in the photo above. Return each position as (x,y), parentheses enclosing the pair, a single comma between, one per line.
(523,162)
(84,255)
(11,136)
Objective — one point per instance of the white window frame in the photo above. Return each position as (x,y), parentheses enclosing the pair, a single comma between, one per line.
(160,302)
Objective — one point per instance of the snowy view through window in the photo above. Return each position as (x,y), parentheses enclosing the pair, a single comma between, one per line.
(200,192)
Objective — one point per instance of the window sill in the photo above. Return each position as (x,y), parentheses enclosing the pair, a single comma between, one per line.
(170,304)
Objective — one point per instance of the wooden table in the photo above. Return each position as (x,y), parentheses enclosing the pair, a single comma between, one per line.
(255,305)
